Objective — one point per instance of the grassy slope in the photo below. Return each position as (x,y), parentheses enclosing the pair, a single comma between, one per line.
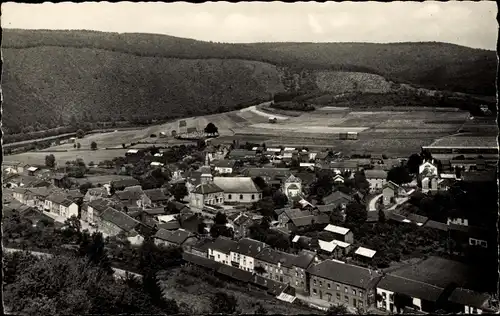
(145,74)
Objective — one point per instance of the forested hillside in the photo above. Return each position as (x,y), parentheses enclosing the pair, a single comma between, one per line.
(55,77)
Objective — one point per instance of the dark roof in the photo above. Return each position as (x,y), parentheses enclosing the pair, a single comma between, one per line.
(60,198)
(123,183)
(296,213)
(102,192)
(156,195)
(242,153)
(154,211)
(202,245)
(249,247)
(75,194)
(59,176)
(223,244)
(224,163)
(375,174)
(304,259)
(267,172)
(235,273)
(177,237)
(476,177)
(411,288)
(207,188)
(336,198)
(241,219)
(178,205)
(344,164)
(470,298)
(279,211)
(120,219)
(344,273)
(396,217)
(274,257)
(272,287)
(201,261)
(417,218)
(311,219)
(172,225)
(100,204)
(436,225)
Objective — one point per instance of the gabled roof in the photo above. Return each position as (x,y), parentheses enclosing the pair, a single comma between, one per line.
(156,195)
(365,252)
(411,288)
(177,237)
(173,225)
(100,204)
(345,273)
(61,199)
(124,183)
(336,197)
(154,211)
(327,246)
(134,193)
(391,185)
(436,225)
(249,247)
(236,184)
(223,244)
(311,219)
(235,273)
(224,163)
(120,219)
(375,174)
(241,219)
(241,153)
(295,213)
(304,259)
(207,188)
(346,164)
(201,261)
(97,192)
(272,256)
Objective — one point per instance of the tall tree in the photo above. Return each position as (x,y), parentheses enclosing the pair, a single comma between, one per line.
(93,145)
(179,191)
(211,129)
(223,303)
(413,163)
(356,214)
(399,175)
(50,161)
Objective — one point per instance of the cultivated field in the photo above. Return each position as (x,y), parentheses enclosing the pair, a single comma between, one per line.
(396,133)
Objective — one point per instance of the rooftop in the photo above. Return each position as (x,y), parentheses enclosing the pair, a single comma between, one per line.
(156,195)
(411,288)
(249,247)
(207,188)
(120,219)
(365,252)
(344,273)
(177,237)
(274,257)
(236,184)
(337,229)
(375,174)
(470,298)
(336,197)
(223,244)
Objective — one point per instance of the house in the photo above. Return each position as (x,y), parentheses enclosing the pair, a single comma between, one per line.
(341,233)
(273,176)
(242,154)
(329,248)
(241,224)
(390,192)
(39,195)
(286,215)
(112,222)
(323,156)
(341,167)
(60,180)
(364,254)
(422,296)
(465,301)
(292,186)
(60,204)
(338,179)
(157,197)
(429,184)
(177,238)
(376,178)
(200,248)
(302,262)
(299,222)
(337,198)
(133,197)
(13,166)
(95,194)
(120,185)
(93,209)
(32,171)
(224,166)
(220,250)
(343,248)
(428,169)
(275,265)
(338,283)
(244,253)
(206,194)
(238,189)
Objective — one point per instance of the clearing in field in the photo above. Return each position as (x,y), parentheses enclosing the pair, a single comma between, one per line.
(309,129)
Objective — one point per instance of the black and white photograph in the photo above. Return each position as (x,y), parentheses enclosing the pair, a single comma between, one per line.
(250,158)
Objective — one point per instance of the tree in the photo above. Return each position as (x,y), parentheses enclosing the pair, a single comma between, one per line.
(92,247)
(360,181)
(260,183)
(93,146)
(220,219)
(201,228)
(211,129)
(124,146)
(223,303)
(401,301)
(399,175)
(260,310)
(221,230)
(50,161)
(179,191)
(356,214)
(280,199)
(259,269)
(78,145)
(413,163)
(337,310)
(336,217)
(80,133)
(381,216)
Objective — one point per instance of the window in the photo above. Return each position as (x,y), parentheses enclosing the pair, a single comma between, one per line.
(338,296)
(353,292)
(391,297)
(346,298)
(384,295)
(314,291)
(360,303)
(384,304)
(296,274)
(314,281)
(241,196)
(253,196)
(360,293)
(338,287)
(218,256)
(329,297)
(229,196)
(345,289)
(320,283)
(329,286)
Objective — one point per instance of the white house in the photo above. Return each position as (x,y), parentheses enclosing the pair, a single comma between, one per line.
(224,166)
(458,221)
(238,189)
(427,169)
(206,194)
(471,302)
(243,255)
(376,178)
(340,233)
(220,250)
(61,205)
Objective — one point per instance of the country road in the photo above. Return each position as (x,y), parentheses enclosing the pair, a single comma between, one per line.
(372,205)
(259,112)
(118,272)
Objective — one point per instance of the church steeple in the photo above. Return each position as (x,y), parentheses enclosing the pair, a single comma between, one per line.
(207,160)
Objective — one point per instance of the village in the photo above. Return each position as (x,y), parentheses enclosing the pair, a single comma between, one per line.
(371,234)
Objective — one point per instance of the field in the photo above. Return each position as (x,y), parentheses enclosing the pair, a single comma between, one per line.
(395,133)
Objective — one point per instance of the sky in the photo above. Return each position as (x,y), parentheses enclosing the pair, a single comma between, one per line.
(465,23)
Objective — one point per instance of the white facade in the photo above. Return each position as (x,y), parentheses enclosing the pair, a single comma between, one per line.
(387,302)
(427,169)
(219,256)
(246,263)
(242,197)
(472,310)
(376,184)
(458,221)
(69,211)
(224,170)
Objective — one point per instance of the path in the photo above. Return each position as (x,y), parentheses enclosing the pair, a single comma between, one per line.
(372,205)
(118,272)
(254,110)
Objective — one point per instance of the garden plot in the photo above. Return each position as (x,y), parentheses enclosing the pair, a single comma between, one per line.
(306,128)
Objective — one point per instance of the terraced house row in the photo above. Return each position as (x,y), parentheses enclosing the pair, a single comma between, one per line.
(324,283)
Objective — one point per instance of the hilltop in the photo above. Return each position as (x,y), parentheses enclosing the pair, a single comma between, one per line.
(54,77)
